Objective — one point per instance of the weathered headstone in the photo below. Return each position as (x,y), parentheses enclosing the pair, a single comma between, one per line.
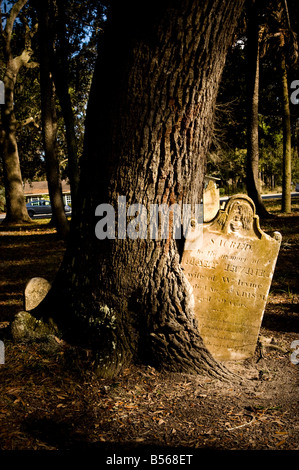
(211,202)
(35,291)
(230,273)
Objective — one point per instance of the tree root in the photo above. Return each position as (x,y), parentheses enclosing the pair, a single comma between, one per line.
(264,343)
(194,360)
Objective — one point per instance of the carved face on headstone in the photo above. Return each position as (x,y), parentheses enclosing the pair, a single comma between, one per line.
(239,217)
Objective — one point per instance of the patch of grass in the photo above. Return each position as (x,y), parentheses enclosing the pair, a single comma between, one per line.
(274,205)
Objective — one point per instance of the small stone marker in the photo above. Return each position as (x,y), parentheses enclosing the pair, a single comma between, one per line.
(35,291)
(230,273)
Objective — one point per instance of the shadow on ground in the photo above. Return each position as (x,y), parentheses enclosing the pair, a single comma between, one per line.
(282,317)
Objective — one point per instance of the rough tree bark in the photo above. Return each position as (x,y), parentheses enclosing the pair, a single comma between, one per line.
(148,128)
(16,211)
(253,60)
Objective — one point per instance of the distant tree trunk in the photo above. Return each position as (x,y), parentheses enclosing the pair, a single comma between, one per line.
(16,211)
(287,133)
(49,121)
(59,218)
(61,79)
(148,129)
(71,140)
(253,59)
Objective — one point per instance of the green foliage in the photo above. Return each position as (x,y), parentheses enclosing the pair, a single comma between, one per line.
(227,158)
(83,23)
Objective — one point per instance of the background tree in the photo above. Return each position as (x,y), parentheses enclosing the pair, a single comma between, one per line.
(148,129)
(82,26)
(16,211)
(59,65)
(253,78)
(288,49)
(49,117)
(227,154)
(281,44)
(57,33)
(226,158)
(75,29)
(287,133)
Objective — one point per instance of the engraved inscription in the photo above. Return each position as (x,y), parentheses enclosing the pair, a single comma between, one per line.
(230,275)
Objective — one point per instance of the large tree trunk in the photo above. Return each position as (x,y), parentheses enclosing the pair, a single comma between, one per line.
(148,128)
(253,59)
(49,121)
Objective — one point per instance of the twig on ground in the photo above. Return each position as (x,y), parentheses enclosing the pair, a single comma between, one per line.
(242,425)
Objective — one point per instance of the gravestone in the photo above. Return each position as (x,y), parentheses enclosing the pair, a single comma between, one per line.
(230,270)
(35,291)
(211,203)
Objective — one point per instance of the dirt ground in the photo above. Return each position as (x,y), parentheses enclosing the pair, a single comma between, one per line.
(52,401)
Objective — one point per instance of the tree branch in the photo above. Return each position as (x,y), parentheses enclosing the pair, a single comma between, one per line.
(31,65)
(29,120)
(287,13)
(16,8)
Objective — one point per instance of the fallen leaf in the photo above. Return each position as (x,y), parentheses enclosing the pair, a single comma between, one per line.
(280,443)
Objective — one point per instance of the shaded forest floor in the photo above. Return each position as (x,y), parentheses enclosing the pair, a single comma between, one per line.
(50,399)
